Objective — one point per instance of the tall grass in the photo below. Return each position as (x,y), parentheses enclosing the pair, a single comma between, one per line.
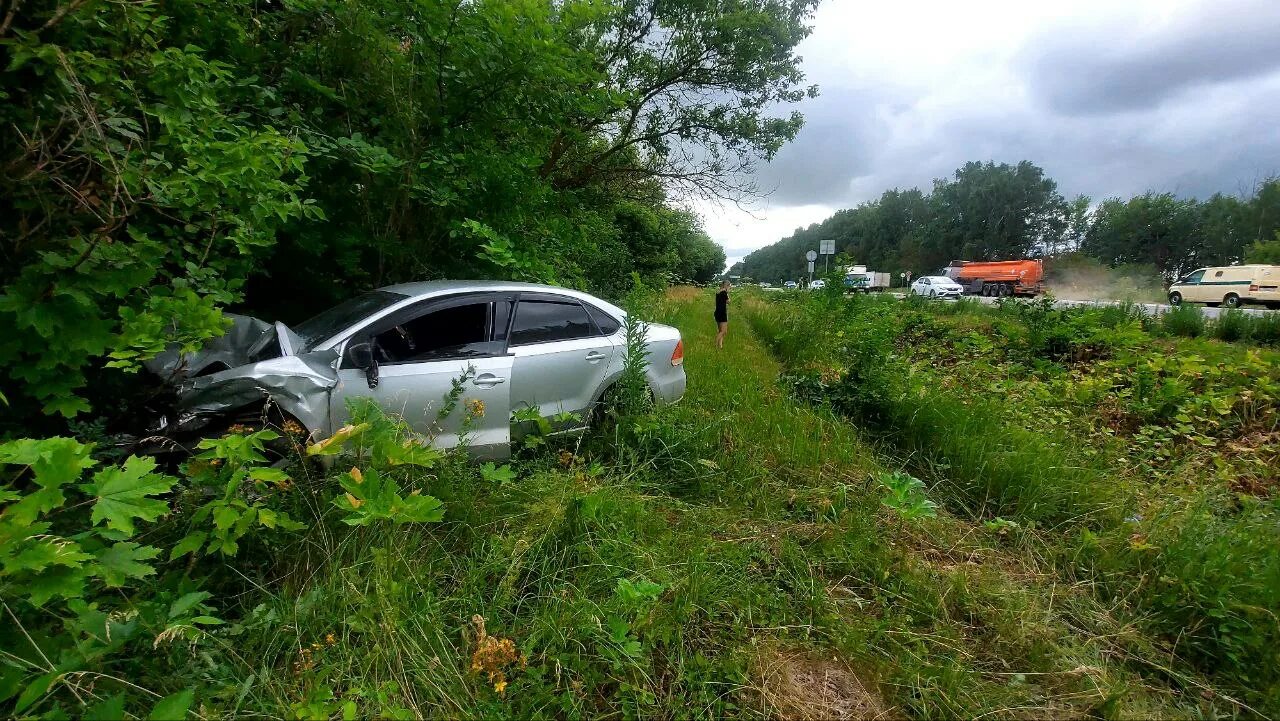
(1203,572)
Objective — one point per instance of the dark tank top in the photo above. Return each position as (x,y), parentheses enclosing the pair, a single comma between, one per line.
(722,306)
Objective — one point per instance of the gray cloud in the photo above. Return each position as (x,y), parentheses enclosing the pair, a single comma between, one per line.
(1181,99)
(1119,67)
(836,145)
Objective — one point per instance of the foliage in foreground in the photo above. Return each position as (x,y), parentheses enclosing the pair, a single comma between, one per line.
(110,576)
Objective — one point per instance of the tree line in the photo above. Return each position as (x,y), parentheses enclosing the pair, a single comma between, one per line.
(989,211)
(164,161)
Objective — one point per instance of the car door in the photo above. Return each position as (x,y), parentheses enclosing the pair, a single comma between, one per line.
(561,358)
(421,353)
(1194,290)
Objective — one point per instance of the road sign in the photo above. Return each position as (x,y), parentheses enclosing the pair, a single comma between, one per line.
(811,256)
(811,267)
(827,247)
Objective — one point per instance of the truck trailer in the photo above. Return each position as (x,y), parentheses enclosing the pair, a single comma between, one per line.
(860,280)
(999,277)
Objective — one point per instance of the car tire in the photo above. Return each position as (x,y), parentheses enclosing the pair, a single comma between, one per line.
(933,295)
(1175,298)
(1231,300)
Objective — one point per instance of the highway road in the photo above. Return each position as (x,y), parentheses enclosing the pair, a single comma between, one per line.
(1151,308)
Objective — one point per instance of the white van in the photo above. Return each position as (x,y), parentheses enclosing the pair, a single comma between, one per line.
(1230,286)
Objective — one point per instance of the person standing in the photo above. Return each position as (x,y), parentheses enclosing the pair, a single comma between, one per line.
(722,313)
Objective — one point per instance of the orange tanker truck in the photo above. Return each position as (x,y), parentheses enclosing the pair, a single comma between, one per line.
(998,277)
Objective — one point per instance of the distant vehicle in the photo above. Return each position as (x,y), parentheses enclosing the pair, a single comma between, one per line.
(1229,285)
(997,278)
(766,285)
(860,280)
(818,284)
(936,286)
(790,285)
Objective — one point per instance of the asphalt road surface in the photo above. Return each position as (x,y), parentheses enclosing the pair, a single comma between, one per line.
(1152,308)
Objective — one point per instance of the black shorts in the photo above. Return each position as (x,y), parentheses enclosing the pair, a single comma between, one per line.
(722,318)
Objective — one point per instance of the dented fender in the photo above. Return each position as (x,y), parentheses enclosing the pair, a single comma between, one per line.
(299,384)
(247,339)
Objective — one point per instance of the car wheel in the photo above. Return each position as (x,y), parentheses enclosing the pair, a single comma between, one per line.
(933,295)
(1175,298)
(1231,300)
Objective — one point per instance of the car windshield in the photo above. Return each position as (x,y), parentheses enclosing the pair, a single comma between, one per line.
(344,315)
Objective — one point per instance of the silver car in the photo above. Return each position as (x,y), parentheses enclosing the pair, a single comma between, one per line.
(514,345)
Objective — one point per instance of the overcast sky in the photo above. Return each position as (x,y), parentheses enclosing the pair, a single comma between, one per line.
(1110,97)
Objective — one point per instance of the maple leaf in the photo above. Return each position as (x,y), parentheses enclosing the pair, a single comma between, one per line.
(123,561)
(122,493)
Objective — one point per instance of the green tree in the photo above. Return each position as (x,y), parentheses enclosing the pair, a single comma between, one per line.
(1156,229)
(1266,252)
(994,212)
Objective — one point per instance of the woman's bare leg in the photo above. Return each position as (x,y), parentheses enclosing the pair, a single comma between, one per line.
(724,328)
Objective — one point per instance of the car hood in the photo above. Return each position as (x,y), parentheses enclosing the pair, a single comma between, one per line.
(247,340)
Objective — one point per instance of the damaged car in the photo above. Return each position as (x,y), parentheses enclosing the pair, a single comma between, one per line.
(510,345)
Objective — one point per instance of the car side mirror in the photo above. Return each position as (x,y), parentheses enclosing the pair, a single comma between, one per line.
(364,358)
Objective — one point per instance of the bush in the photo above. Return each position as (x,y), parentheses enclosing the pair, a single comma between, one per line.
(1232,325)
(108,567)
(1186,321)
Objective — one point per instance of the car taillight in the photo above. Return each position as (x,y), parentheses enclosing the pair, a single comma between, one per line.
(677,355)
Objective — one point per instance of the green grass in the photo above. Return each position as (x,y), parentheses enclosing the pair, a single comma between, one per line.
(757,516)
(1137,469)
(708,559)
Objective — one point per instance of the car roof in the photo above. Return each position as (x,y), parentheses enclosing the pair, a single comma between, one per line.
(426,289)
(429,288)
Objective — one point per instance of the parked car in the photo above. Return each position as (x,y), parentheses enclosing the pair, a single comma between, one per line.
(936,286)
(1230,286)
(790,285)
(513,345)
(766,285)
(818,284)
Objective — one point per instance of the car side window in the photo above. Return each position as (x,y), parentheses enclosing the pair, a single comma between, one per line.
(457,331)
(1195,277)
(607,324)
(545,321)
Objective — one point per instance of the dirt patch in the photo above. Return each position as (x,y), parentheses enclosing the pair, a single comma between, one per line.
(804,686)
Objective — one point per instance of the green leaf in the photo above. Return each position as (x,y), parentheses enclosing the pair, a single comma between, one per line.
(110,709)
(497,474)
(123,561)
(56,582)
(35,691)
(40,553)
(189,544)
(55,461)
(187,602)
(173,707)
(122,493)
(420,509)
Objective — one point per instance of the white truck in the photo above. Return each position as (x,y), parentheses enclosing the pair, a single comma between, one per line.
(860,280)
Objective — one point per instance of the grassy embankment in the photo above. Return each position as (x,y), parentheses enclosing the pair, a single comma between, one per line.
(1137,465)
(727,556)
(739,554)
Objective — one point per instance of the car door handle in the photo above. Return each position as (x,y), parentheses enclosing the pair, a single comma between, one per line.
(595,355)
(487,380)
